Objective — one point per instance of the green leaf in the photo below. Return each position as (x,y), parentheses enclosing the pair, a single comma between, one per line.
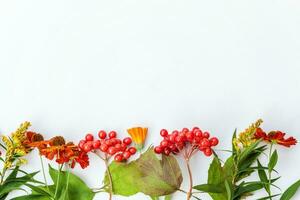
(168,197)
(273,161)
(209,188)
(228,190)
(32,197)
(263,177)
(291,191)
(147,174)
(232,142)
(77,189)
(247,188)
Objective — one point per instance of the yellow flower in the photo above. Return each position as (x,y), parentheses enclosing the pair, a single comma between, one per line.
(15,148)
(138,135)
(246,138)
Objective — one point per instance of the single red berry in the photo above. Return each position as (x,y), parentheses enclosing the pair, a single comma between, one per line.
(167,151)
(197,139)
(195,129)
(96,144)
(185,130)
(126,155)
(172,147)
(118,147)
(118,141)
(205,142)
(103,147)
(108,142)
(198,133)
(132,150)
(112,134)
(81,143)
(111,150)
(214,141)
(178,139)
(206,135)
(164,143)
(87,147)
(189,136)
(118,158)
(171,138)
(102,134)
(158,150)
(89,137)
(208,152)
(127,141)
(164,133)
(123,147)
(175,133)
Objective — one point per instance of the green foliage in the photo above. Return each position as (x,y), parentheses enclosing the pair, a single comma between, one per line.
(225,182)
(147,174)
(291,191)
(12,182)
(67,186)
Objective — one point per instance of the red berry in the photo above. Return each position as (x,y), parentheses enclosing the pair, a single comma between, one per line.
(214,141)
(185,130)
(198,133)
(164,143)
(118,147)
(102,134)
(103,147)
(172,147)
(178,139)
(123,147)
(197,139)
(195,129)
(206,135)
(189,136)
(132,150)
(96,144)
(167,151)
(126,154)
(118,158)
(111,150)
(164,133)
(87,147)
(127,141)
(207,152)
(205,143)
(175,133)
(112,134)
(89,137)
(81,143)
(158,150)
(171,138)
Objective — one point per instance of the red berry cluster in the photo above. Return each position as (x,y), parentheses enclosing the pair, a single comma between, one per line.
(111,145)
(177,140)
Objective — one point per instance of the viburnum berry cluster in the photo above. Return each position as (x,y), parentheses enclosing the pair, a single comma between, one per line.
(176,141)
(186,143)
(109,145)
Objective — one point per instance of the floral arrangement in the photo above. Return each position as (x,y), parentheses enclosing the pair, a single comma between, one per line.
(153,171)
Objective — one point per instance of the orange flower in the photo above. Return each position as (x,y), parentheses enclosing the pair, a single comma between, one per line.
(277,137)
(57,148)
(138,135)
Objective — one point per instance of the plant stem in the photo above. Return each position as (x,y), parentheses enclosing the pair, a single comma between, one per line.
(57,181)
(109,178)
(189,192)
(270,172)
(43,170)
(2,175)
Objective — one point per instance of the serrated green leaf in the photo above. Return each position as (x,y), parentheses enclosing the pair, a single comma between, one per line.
(147,174)
(291,191)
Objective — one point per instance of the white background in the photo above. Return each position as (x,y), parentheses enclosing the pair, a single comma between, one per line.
(72,67)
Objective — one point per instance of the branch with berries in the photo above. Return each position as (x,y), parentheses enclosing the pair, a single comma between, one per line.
(154,171)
